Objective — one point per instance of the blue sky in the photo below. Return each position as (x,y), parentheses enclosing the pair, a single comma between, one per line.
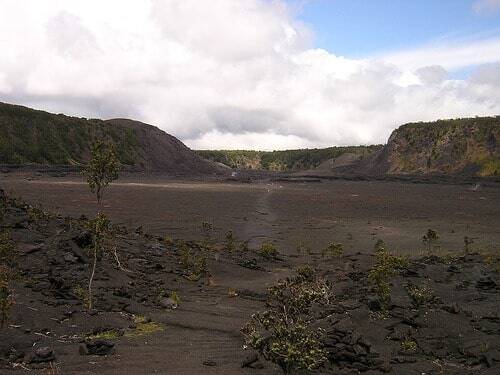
(361,28)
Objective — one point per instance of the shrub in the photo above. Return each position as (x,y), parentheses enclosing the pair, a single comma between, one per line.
(37,214)
(207,229)
(379,245)
(82,294)
(386,267)
(268,250)
(244,246)
(195,266)
(230,242)
(409,345)
(283,333)
(333,250)
(306,272)
(303,249)
(174,296)
(420,295)
(7,247)
(468,241)
(6,299)
(430,239)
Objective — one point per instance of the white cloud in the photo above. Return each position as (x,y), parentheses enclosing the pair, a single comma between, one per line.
(483,6)
(229,74)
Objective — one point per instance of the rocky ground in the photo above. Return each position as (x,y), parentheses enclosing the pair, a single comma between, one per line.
(442,317)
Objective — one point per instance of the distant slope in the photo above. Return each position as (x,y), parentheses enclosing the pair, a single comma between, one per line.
(466,147)
(30,136)
(288,160)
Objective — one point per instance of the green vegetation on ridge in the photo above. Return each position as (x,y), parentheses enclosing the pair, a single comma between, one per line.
(447,146)
(32,136)
(283,160)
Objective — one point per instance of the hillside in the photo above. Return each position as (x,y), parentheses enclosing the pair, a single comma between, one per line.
(30,136)
(288,160)
(468,147)
(462,147)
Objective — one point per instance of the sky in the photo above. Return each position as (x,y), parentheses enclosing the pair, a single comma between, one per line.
(255,74)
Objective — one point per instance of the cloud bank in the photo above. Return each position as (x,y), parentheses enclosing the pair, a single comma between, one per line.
(230,74)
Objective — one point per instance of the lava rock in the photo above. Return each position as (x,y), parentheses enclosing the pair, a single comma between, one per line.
(374,304)
(97,347)
(486,283)
(249,360)
(168,303)
(41,355)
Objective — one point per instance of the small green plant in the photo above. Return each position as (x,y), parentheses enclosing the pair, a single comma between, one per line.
(306,272)
(110,334)
(468,241)
(430,239)
(102,168)
(7,247)
(303,249)
(82,294)
(244,246)
(229,244)
(6,298)
(386,267)
(333,250)
(195,266)
(379,245)
(36,214)
(99,230)
(283,333)
(3,205)
(207,231)
(168,240)
(409,345)
(174,296)
(420,295)
(268,250)
(144,327)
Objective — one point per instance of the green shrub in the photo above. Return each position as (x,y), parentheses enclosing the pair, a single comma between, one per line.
(283,333)
(334,250)
(195,266)
(174,296)
(207,230)
(268,250)
(7,247)
(409,345)
(229,244)
(468,241)
(430,239)
(386,267)
(420,295)
(306,272)
(6,297)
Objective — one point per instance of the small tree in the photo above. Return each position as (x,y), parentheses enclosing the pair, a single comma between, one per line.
(99,230)
(468,241)
(430,239)
(102,169)
(230,241)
